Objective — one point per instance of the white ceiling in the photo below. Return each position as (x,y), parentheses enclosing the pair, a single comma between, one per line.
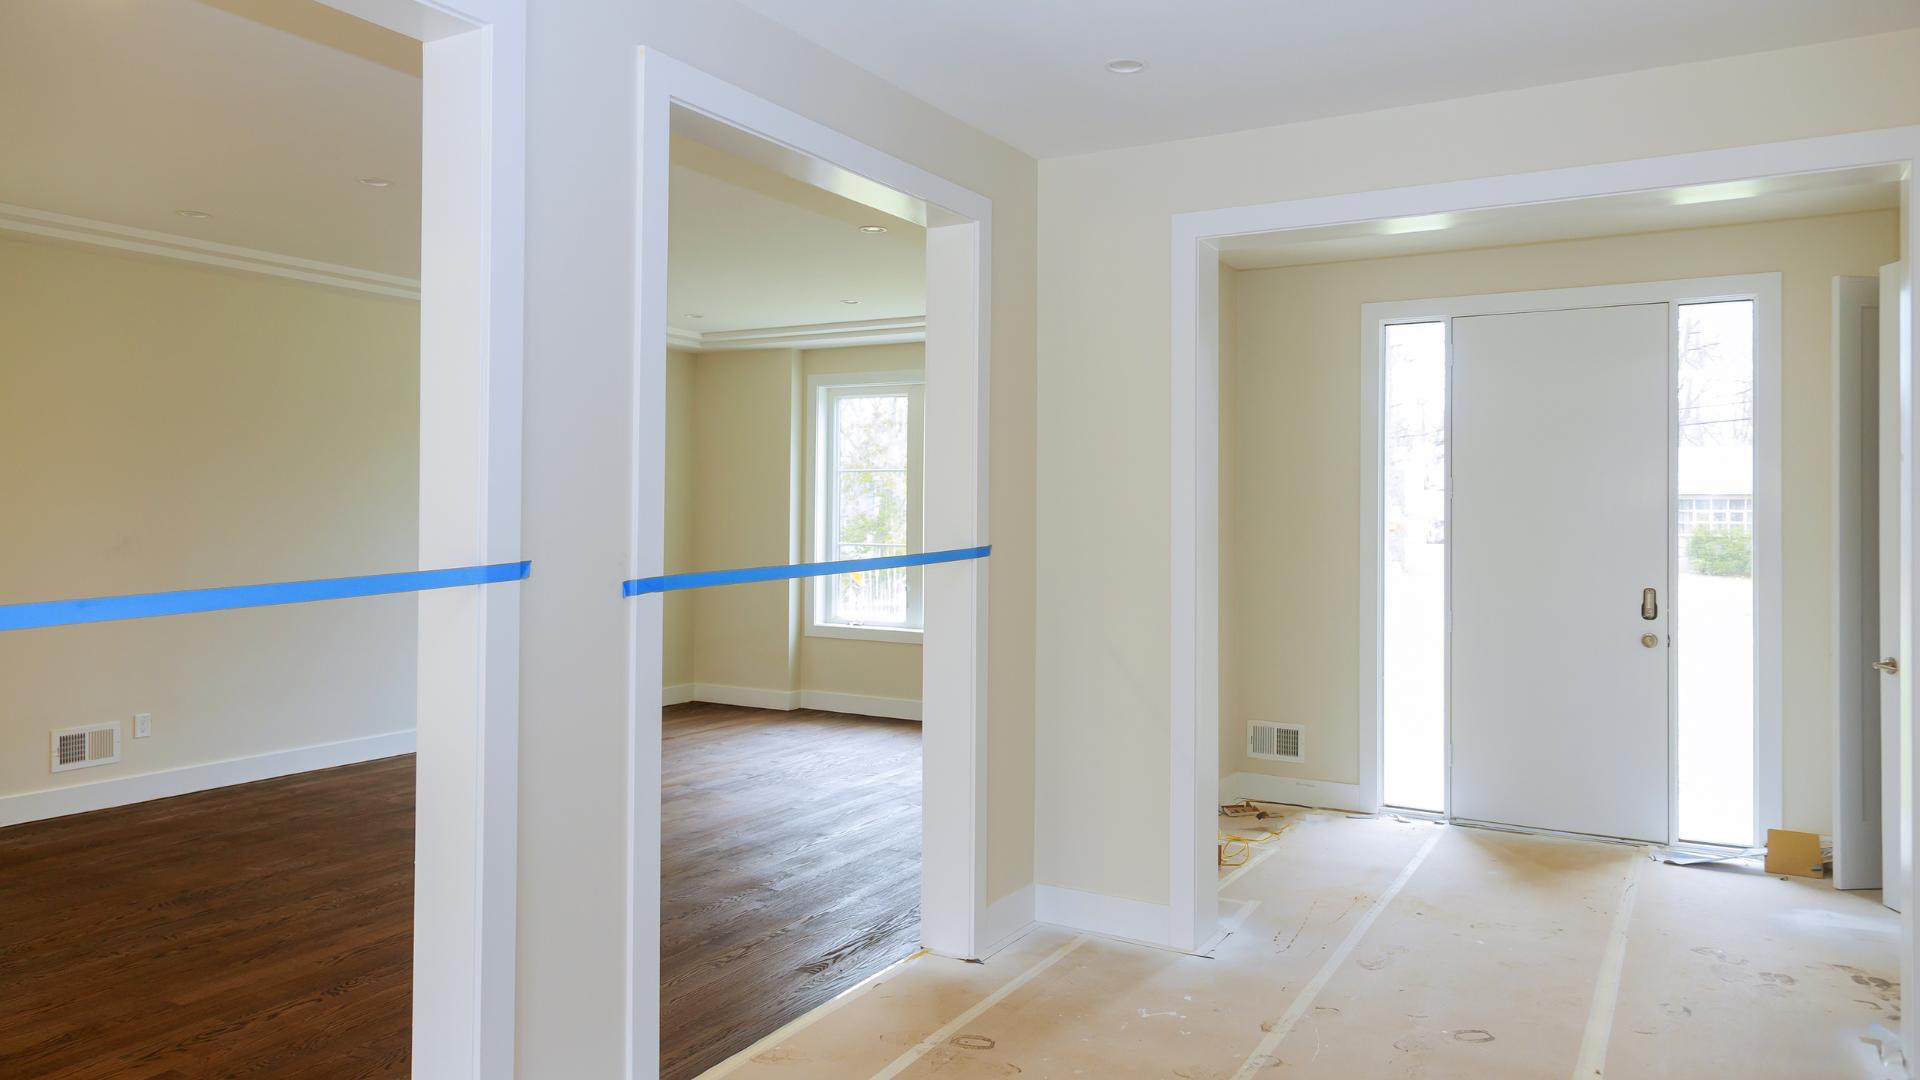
(262,113)
(750,248)
(1031,73)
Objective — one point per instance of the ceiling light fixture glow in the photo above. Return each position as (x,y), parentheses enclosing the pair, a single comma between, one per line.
(873,228)
(849,301)
(376,181)
(690,316)
(1127,65)
(192,214)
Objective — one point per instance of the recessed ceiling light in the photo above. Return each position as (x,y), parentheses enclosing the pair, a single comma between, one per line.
(1126,65)
(691,316)
(873,228)
(849,301)
(192,214)
(376,181)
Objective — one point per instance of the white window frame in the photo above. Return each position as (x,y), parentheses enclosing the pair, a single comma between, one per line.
(822,392)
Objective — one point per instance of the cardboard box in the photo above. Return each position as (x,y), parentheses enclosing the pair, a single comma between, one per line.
(1796,853)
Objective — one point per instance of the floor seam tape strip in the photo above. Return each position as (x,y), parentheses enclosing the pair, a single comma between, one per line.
(986,1003)
(1263,1052)
(1606,989)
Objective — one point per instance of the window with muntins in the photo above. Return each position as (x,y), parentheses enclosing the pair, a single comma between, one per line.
(866,503)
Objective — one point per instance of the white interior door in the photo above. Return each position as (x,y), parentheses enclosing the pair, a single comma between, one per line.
(1559,526)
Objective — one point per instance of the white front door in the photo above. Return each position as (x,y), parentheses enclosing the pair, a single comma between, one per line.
(1560,545)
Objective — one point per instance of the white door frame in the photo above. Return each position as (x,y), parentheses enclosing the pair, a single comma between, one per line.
(1768,636)
(1195,365)
(954,653)
(472,288)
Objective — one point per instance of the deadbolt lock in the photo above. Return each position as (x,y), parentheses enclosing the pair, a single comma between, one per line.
(1649,640)
(1890,665)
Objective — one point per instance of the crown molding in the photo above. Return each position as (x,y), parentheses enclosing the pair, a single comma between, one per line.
(813,336)
(186,249)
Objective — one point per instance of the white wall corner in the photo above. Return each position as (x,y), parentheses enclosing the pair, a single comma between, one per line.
(127,790)
(1006,919)
(1325,794)
(1098,913)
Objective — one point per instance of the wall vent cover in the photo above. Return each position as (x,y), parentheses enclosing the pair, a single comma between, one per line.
(79,747)
(1276,742)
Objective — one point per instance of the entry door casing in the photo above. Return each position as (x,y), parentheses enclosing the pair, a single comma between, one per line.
(1560,460)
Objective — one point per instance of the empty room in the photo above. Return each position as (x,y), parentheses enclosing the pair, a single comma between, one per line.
(815,539)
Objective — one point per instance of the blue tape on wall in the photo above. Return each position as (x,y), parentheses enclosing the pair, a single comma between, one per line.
(146,605)
(675,582)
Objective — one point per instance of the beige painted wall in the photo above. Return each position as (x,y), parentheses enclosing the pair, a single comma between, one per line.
(165,428)
(1102,690)
(732,439)
(1297,447)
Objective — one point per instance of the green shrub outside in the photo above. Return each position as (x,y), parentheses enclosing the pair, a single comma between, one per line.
(1720,552)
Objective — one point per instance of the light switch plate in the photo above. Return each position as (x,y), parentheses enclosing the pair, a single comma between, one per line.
(142,725)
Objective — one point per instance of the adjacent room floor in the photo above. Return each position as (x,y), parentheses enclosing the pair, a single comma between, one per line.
(257,930)
(1373,947)
(790,869)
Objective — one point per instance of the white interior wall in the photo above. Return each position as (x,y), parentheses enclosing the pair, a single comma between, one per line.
(172,428)
(1103,694)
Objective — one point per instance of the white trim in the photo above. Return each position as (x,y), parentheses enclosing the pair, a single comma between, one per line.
(1768,607)
(1098,913)
(472,317)
(815,336)
(788,700)
(954,653)
(1194,376)
(861,705)
(1007,919)
(1857,854)
(204,253)
(1322,794)
(143,787)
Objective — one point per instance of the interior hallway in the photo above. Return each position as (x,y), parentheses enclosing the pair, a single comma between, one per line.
(262,929)
(1482,963)
(790,868)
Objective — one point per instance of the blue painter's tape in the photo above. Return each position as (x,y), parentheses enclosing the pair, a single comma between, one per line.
(675,582)
(146,605)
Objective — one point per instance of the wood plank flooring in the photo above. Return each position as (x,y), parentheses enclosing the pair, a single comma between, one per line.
(262,930)
(790,869)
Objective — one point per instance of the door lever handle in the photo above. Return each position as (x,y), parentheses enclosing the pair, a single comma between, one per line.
(1649,605)
(1890,665)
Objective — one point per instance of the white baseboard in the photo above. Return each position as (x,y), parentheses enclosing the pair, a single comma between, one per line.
(1098,913)
(1286,789)
(747,696)
(860,705)
(1006,919)
(125,790)
(787,701)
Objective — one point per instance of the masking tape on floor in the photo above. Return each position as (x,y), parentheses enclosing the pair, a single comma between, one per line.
(1264,1052)
(148,605)
(988,1002)
(1606,989)
(706,579)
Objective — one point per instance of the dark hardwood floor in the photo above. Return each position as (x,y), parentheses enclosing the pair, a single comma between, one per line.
(790,869)
(261,930)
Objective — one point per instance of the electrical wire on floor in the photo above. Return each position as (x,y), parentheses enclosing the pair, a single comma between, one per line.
(1245,808)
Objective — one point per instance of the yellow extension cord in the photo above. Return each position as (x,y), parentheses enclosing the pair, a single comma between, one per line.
(1246,844)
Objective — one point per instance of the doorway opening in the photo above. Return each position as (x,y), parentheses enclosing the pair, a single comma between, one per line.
(1538,520)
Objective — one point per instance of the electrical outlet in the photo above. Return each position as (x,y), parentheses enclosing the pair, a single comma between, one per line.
(142,725)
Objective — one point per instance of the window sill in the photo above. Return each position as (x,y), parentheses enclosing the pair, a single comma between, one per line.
(866,633)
